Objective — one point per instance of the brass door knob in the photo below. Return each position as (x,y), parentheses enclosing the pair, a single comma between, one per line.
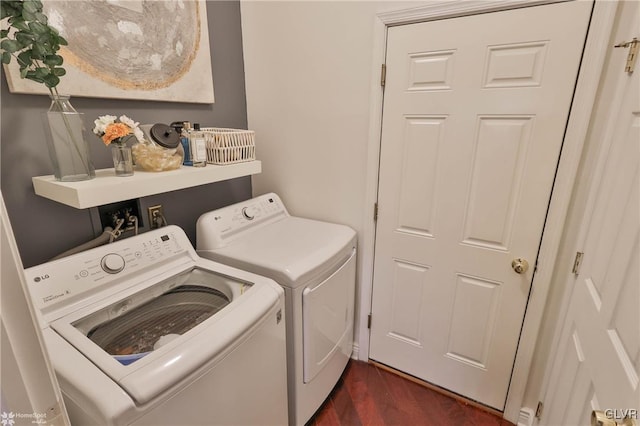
(520,265)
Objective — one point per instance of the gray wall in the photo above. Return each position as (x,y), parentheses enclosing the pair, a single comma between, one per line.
(44,228)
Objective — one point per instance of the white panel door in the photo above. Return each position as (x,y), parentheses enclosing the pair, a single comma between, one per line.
(597,366)
(474,114)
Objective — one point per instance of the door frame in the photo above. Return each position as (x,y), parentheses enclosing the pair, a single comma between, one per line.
(596,48)
(600,144)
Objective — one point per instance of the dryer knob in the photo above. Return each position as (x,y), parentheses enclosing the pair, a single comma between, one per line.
(112,263)
(248,213)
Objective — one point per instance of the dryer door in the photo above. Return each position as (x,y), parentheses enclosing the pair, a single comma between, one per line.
(327,316)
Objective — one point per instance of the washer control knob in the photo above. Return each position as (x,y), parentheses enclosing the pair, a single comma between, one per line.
(248,213)
(112,263)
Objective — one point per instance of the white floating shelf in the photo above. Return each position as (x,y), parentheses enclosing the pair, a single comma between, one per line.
(107,188)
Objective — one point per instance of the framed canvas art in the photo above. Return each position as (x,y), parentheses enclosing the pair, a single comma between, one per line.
(130,49)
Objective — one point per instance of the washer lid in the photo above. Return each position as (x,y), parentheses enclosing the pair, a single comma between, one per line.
(145,375)
(291,251)
(139,331)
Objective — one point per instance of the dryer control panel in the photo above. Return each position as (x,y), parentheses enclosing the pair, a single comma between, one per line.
(217,228)
(66,279)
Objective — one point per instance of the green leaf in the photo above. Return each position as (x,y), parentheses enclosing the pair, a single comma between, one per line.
(47,51)
(25,39)
(24,58)
(38,52)
(20,25)
(45,41)
(41,17)
(54,31)
(38,28)
(34,41)
(42,72)
(28,16)
(51,80)
(59,71)
(10,45)
(10,8)
(36,79)
(53,60)
(32,6)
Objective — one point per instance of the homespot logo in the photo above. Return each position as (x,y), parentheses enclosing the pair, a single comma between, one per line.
(10,418)
(7,419)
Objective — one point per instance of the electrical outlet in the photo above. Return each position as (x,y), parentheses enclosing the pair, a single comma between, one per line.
(126,211)
(156,217)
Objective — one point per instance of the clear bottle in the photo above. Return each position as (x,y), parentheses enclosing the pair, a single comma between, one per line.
(183,127)
(197,146)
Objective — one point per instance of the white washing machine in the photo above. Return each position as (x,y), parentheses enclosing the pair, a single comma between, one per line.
(315,263)
(143,331)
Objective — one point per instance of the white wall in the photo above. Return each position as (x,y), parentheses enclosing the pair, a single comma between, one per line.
(309,75)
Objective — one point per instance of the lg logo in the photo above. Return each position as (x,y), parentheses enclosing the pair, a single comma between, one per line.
(43,277)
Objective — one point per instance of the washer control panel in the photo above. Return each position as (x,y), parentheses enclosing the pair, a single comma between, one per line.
(71,276)
(257,209)
(217,227)
(112,263)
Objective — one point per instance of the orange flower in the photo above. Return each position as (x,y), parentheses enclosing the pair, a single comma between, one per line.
(115,131)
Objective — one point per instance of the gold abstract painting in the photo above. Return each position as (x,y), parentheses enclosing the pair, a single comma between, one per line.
(130,49)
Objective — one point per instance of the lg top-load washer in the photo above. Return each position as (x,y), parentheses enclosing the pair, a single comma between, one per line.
(315,263)
(143,331)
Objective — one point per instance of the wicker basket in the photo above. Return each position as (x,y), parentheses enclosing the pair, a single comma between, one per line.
(228,146)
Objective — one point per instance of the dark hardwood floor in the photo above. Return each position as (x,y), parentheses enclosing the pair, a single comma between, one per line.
(371,396)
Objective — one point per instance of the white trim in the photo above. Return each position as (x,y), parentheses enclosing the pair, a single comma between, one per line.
(585,213)
(454,9)
(588,82)
(32,383)
(526,417)
(355,353)
(600,27)
(371,191)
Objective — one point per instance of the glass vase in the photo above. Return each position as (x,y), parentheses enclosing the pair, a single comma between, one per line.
(122,159)
(68,149)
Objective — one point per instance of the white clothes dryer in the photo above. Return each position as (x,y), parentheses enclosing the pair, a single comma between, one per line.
(315,263)
(145,332)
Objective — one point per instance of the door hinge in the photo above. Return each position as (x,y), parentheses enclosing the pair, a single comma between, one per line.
(632,55)
(369,322)
(539,409)
(576,262)
(383,75)
(375,212)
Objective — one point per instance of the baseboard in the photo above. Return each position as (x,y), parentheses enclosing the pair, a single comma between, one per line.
(355,354)
(526,417)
